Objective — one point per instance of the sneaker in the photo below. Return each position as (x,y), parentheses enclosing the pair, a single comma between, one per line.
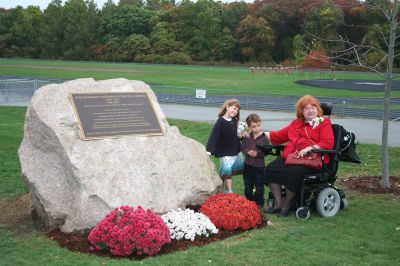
(228,191)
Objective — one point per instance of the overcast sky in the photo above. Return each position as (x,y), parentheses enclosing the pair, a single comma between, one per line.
(44,3)
(41,3)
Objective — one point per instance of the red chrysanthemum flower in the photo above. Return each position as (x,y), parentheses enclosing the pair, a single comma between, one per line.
(231,212)
(126,230)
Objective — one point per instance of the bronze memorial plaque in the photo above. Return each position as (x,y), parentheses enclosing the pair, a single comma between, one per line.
(113,114)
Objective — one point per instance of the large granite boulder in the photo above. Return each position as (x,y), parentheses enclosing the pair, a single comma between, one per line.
(74,183)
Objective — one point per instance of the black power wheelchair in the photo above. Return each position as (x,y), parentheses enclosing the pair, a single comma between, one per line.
(318,191)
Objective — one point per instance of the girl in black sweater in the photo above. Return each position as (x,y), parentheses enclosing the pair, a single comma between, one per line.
(224,142)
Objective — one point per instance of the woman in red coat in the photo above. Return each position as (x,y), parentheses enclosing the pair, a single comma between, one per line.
(310,130)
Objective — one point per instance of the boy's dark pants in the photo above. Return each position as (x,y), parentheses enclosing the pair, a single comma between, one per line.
(254,177)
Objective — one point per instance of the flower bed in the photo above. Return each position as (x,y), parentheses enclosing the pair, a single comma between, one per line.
(126,230)
(187,224)
(78,242)
(231,212)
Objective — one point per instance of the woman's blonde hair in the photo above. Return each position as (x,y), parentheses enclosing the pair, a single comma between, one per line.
(229,103)
(303,102)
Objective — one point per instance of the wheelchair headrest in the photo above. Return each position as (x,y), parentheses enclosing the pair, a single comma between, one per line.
(327,108)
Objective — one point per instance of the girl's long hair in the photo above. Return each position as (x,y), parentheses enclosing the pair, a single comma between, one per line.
(229,103)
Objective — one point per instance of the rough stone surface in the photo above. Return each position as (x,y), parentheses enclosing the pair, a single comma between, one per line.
(74,183)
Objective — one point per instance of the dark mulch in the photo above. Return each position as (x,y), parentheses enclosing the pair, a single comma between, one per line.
(78,242)
(370,184)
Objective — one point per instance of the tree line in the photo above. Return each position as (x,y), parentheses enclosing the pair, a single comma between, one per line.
(265,32)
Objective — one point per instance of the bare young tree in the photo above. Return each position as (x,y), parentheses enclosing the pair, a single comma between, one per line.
(375,52)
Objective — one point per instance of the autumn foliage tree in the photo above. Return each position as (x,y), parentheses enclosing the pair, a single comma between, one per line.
(262,32)
(256,39)
(317,59)
(371,44)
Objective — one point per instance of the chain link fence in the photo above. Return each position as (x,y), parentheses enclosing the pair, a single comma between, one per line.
(20,91)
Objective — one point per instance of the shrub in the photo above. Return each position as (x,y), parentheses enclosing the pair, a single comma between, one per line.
(126,230)
(317,59)
(231,212)
(287,63)
(373,59)
(149,58)
(186,224)
(177,58)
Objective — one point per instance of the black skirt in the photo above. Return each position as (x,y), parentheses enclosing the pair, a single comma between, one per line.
(290,176)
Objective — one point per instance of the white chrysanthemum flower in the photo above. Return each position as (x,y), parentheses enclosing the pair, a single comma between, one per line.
(187,224)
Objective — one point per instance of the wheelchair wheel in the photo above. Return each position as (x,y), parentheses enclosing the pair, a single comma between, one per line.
(303,213)
(328,202)
(344,204)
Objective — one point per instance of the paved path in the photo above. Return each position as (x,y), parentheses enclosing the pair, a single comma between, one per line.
(346,107)
(366,130)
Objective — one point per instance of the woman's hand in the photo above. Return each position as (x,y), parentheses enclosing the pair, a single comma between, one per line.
(305,151)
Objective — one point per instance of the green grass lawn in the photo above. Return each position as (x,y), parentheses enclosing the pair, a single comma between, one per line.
(218,80)
(365,234)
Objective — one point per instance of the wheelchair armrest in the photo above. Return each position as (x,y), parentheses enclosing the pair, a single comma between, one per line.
(265,148)
(321,151)
(279,147)
(268,149)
